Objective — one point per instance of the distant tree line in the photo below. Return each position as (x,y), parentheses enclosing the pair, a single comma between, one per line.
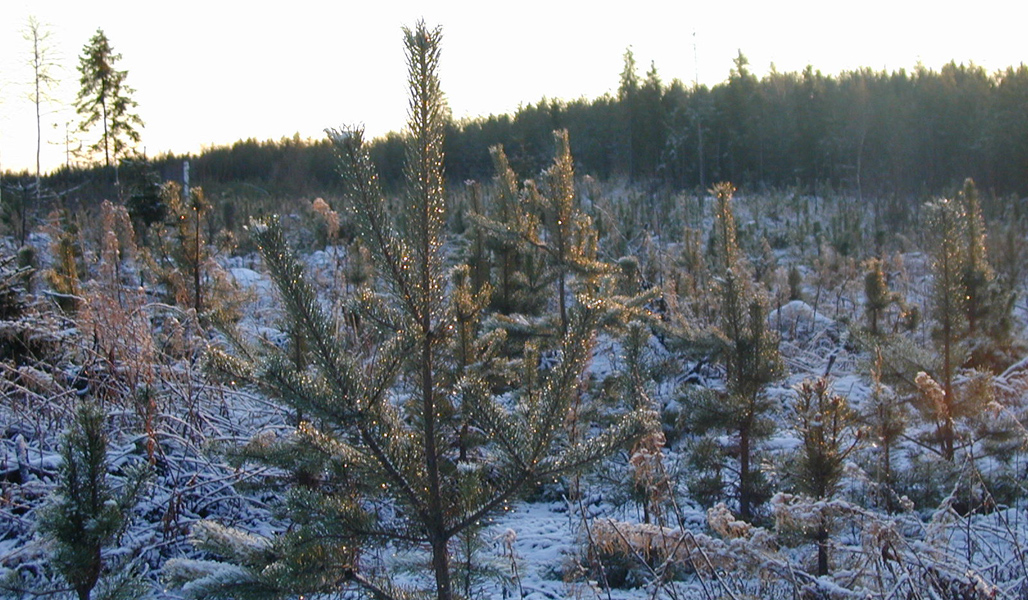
(866,132)
(862,131)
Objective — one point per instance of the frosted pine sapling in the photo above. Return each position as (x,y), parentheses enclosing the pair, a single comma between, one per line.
(692,279)
(509,227)
(986,305)
(749,349)
(559,220)
(395,468)
(66,275)
(546,223)
(83,516)
(705,472)
(946,221)
(478,255)
(652,487)
(145,202)
(795,281)
(183,257)
(192,242)
(977,274)
(828,430)
(877,296)
(885,417)
(967,303)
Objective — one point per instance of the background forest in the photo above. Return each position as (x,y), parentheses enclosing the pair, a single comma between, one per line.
(866,132)
(554,354)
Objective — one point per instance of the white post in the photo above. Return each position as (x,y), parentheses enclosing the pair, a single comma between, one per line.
(185,180)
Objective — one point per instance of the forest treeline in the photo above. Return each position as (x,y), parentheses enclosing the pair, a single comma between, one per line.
(866,132)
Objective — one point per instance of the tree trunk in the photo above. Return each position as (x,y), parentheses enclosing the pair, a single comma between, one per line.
(947,380)
(103,106)
(86,584)
(745,493)
(822,549)
(196,262)
(563,302)
(441,566)
(39,147)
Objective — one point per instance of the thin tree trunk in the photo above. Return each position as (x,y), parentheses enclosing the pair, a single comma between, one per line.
(745,493)
(947,364)
(23,234)
(436,526)
(196,262)
(39,145)
(103,107)
(563,303)
(437,522)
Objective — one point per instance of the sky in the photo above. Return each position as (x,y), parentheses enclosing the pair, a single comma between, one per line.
(213,72)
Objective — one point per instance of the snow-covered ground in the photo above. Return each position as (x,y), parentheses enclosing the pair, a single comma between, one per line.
(932,545)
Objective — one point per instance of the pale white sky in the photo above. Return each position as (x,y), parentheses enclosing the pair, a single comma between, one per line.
(213,72)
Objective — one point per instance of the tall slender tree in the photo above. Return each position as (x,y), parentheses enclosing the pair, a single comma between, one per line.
(628,92)
(42,62)
(105,99)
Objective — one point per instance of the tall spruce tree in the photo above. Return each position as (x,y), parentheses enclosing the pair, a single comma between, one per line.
(387,454)
(628,94)
(105,99)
